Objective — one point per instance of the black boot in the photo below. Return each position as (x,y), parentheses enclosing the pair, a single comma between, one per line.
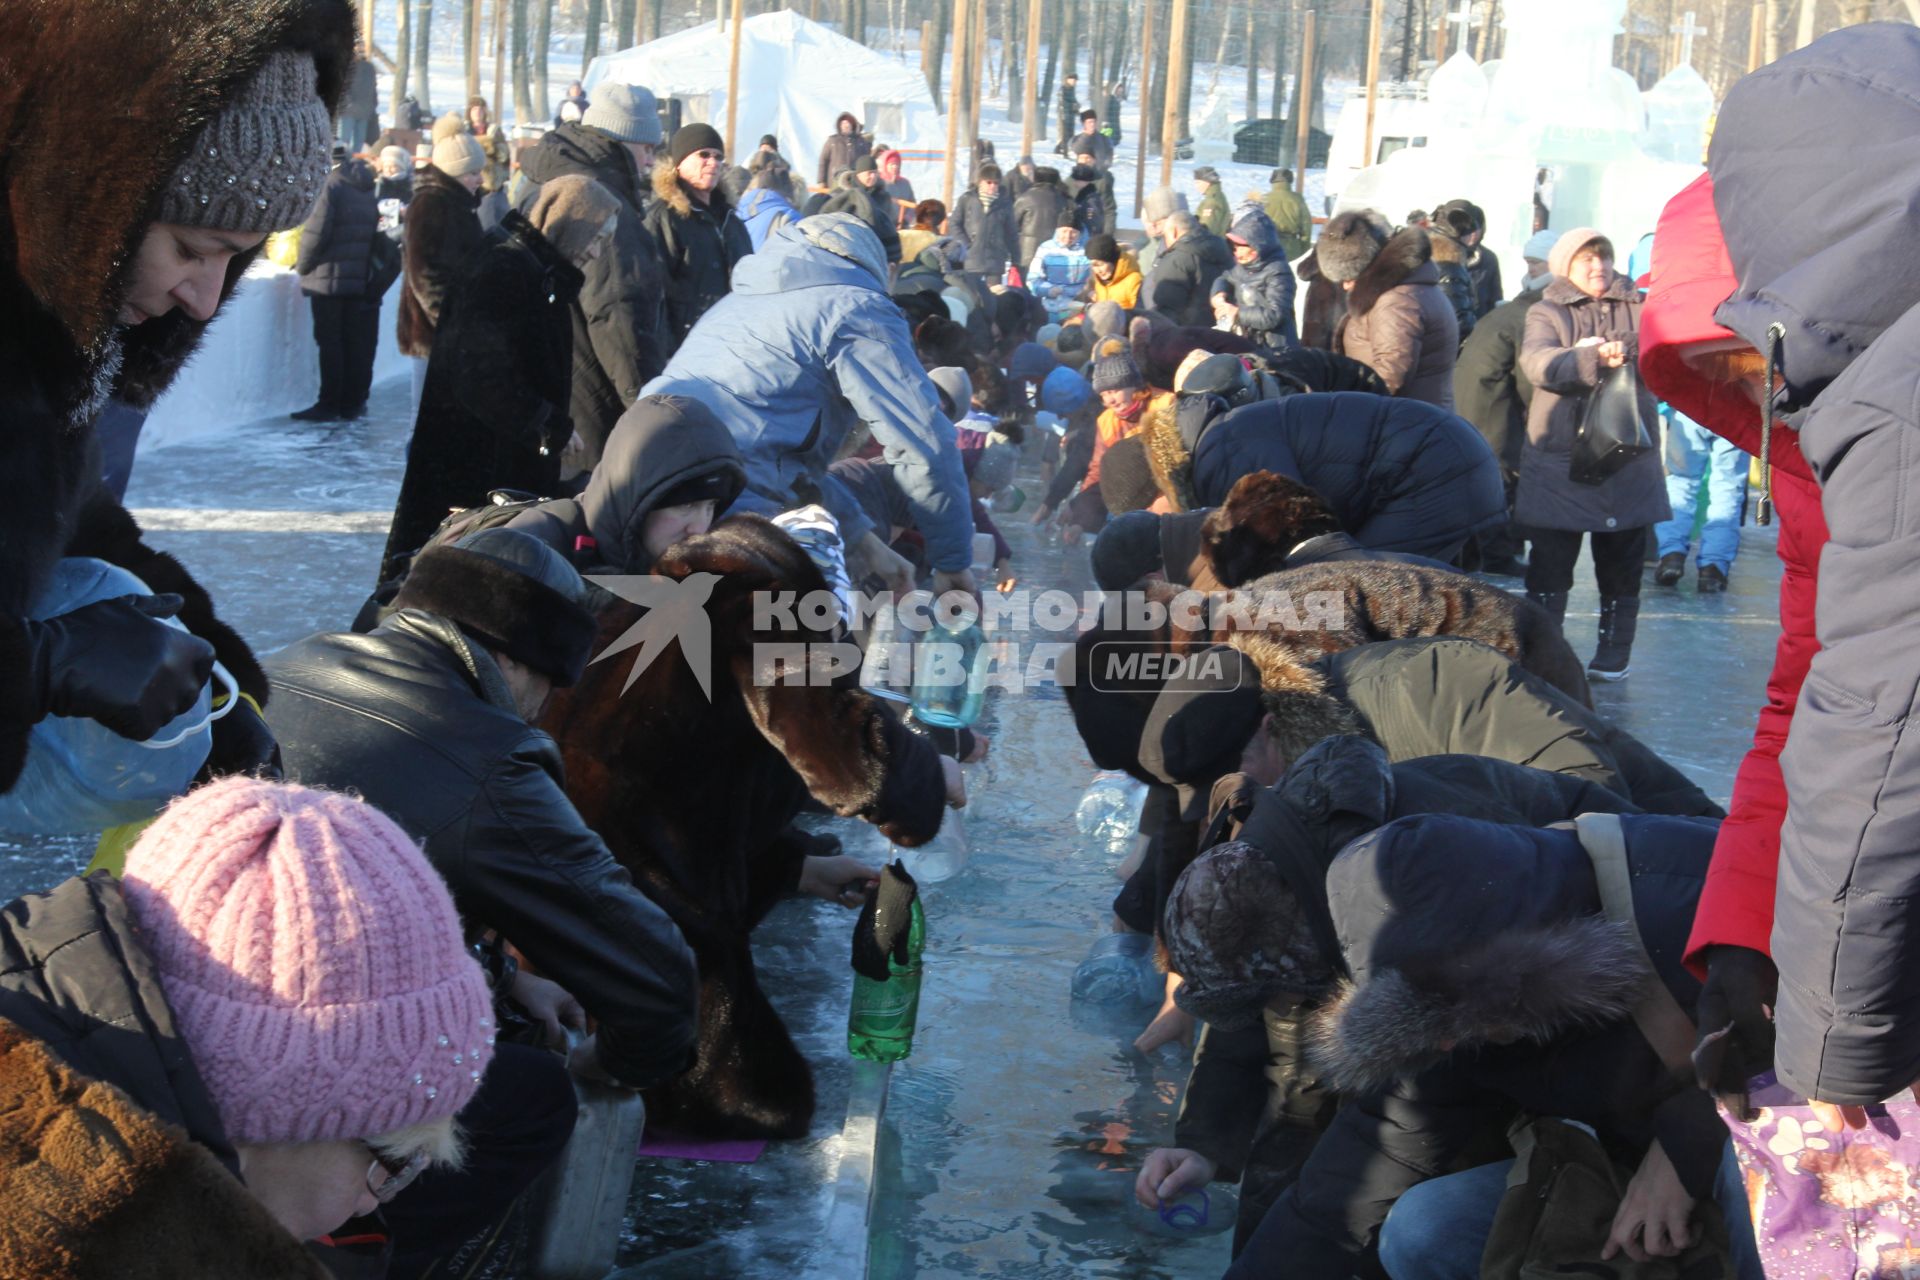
(1672,568)
(1619,619)
(1554,602)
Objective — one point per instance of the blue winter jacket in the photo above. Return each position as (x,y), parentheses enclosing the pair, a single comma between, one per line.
(1263,289)
(1400,475)
(760,208)
(1833,264)
(807,346)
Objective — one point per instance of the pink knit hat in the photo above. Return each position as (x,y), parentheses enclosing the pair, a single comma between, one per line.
(1568,247)
(313,960)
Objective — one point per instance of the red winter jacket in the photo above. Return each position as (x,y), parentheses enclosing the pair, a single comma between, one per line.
(1691,276)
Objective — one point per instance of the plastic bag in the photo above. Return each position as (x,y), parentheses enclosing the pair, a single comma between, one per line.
(81,776)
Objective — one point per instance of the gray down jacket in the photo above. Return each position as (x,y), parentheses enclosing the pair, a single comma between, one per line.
(1837,274)
(1263,290)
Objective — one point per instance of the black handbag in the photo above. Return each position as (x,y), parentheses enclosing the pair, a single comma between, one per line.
(1612,431)
(383,264)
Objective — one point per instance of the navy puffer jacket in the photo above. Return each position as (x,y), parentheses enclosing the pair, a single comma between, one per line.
(1400,475)
(1839,275)
(336,242)
(1263,289)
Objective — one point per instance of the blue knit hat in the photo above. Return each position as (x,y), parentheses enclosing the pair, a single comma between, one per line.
(1064,391)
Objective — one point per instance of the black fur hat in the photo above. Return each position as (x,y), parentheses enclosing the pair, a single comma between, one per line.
(1350,242)
(511,592)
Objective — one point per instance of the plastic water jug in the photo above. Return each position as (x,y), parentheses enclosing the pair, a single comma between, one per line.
(949,679)
(81,776)
(581,1203)
(1119,970)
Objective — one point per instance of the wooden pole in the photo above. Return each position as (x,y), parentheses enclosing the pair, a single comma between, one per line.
(976,75)
(366,23)
(1373,78)
(1140,133)
(1030,105)
(499,52)
(1303,105)
(733,78)
(1174,120)
(1756,37)
(956,77)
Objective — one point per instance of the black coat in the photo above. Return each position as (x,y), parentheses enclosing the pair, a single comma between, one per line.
(336,242)
(493,413)
(1490,389)
(418,719)
(699,247)
(1483,267)
(1436,894)
(874,205)
(1450,259)
(1182,278)
(1095,211)
(443,232)
(620,339)
(1039,212)
(1400,475)
(989,234)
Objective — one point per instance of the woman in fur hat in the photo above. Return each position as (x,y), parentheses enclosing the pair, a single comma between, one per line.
(112,271)
(1398,319)
(494,414)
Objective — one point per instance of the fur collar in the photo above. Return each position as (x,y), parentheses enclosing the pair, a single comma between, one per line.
(1567,294)
(1446,248)
(1392,267)
(1521,985)
(668,190)
(115,1191)
(65,241)
(1301,712)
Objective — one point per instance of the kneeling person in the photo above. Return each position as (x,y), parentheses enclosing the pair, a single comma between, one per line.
(430,717)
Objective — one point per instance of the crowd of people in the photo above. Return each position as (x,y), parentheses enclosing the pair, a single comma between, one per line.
(1480,981)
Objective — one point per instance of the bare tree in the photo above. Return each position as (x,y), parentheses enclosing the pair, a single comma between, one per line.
(422,50)
(542,38)
(402,54)
(522,80)
(470,35)
(590,41)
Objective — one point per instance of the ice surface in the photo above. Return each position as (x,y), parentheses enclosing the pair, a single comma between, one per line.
(1012,1134)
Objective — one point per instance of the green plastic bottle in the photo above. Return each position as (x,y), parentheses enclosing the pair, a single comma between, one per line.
(880,1023)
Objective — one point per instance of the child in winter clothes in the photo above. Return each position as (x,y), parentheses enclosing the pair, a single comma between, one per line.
(1059,272)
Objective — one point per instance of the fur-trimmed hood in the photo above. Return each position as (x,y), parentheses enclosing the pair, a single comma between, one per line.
(77,195)
(1461,934)
(1407,259)
(670,191)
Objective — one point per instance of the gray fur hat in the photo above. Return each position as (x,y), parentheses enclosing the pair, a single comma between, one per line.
(259,164)
(1161,203)
(1350,242)
(625,113)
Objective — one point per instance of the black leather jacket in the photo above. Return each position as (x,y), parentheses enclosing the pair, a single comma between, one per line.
(418,719)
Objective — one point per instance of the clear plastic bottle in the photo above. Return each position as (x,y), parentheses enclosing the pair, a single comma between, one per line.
(1119,970)
(941,858)
(880,1023)
(1109,813)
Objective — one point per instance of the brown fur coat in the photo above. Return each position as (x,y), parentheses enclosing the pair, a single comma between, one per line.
(696,797)
(96,1187)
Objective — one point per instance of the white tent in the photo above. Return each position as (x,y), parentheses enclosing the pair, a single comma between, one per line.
(796,76)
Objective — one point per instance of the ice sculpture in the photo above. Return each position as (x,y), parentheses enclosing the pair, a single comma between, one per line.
(1554,101)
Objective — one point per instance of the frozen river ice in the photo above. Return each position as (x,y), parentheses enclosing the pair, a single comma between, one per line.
(1013,1132)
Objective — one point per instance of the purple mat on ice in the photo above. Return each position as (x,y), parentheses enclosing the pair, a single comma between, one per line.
(666,1145)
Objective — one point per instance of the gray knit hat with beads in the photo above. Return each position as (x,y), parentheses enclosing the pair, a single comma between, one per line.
(258,165)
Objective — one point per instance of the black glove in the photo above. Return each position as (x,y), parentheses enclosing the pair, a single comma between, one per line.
(115,662)
(880,934)
(1735,1018)
(242,744)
